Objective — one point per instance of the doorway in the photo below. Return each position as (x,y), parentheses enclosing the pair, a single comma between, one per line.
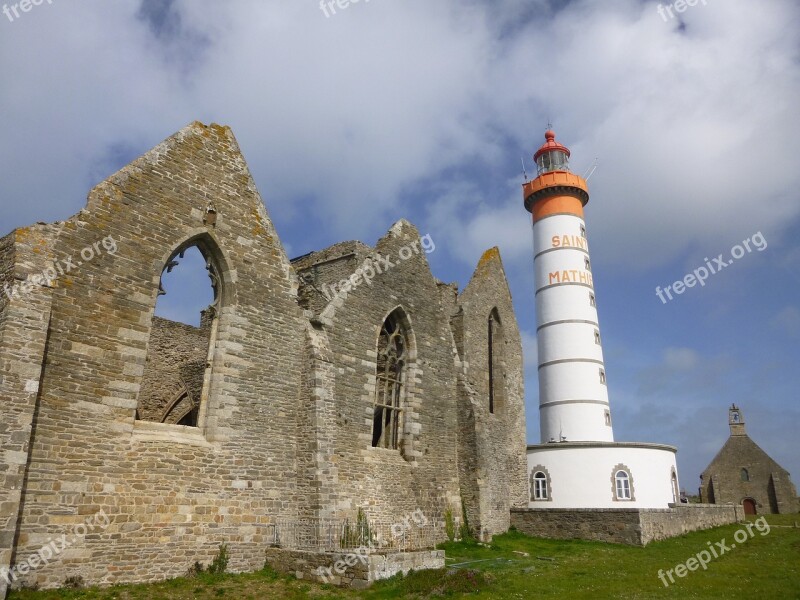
(749,506)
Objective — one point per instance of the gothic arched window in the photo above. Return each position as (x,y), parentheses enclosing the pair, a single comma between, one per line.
(389,383)
(182,332)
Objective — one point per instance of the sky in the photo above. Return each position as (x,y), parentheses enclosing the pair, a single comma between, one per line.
(352,118)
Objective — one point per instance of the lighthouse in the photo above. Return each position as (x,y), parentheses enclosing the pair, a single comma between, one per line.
(573,396)
(578,464)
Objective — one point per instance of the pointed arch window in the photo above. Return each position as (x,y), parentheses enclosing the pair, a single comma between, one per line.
(176,377)
(745,475)
(390,383)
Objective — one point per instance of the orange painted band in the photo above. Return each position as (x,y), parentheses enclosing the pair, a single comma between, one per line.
(557,205)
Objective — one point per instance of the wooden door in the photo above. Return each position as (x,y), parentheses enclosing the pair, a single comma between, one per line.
(749,506)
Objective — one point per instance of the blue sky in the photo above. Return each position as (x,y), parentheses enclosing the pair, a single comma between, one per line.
(422,110)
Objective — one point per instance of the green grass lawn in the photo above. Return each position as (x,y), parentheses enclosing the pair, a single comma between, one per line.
(519,567)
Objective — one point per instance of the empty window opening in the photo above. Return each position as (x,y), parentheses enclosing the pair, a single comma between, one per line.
(185,291)
(496,362)
(389,383)
(178,358)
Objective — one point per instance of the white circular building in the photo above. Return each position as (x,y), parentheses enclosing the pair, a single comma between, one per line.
(578,464)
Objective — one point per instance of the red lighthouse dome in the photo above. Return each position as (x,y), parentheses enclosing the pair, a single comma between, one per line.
(552,156)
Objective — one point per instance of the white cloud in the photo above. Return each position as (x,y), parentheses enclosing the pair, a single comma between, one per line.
(680,359)
(342,117)
(787,321)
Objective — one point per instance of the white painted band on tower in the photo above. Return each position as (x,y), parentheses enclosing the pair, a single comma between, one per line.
(573,396)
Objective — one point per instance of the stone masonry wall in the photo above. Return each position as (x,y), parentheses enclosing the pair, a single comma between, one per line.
(354,570)
(318,271)
(171,496)
(24,320)
(683,518)
(422,474)
(7,253)
(633,526)
(492,463)
(613,525)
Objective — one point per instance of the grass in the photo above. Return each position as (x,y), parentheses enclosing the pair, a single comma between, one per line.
(515,566)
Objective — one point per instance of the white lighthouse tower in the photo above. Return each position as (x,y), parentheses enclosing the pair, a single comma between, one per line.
(578,464)
(573,396)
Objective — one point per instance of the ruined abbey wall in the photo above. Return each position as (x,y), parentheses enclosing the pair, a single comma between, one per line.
(171,496)
(423,473)
(288,383)
(494,471)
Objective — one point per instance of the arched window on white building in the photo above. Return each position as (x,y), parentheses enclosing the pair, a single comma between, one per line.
(541,489)
(622,484)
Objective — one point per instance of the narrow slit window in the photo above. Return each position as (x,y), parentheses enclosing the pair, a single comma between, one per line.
(495,364)
(491,364)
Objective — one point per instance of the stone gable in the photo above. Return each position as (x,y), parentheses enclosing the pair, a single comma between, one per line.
(741,470)
(283,378)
